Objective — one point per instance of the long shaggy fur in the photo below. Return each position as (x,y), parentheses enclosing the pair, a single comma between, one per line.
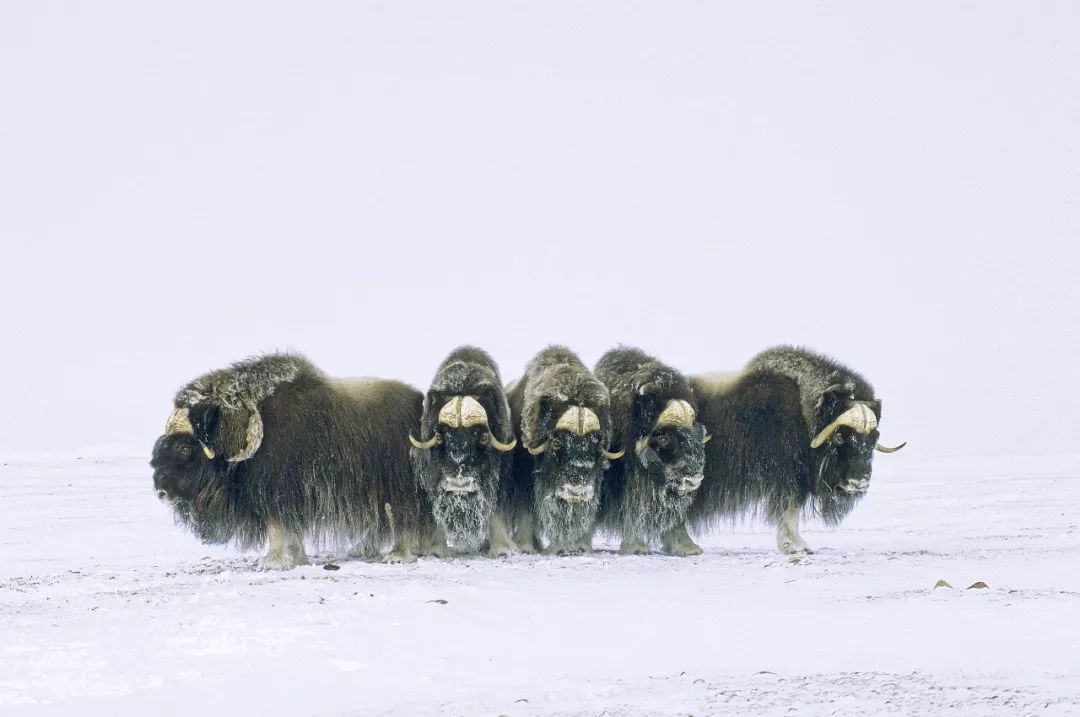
(555,379)
(762,421)
(332,456)
(641,499)
(465,517)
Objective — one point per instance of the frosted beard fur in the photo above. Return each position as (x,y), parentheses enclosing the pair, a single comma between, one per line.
(565,523)
(464,517)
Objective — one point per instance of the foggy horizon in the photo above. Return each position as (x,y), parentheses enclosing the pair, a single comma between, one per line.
(372,185)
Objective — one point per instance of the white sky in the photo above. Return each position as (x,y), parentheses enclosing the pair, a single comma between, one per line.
(375,183)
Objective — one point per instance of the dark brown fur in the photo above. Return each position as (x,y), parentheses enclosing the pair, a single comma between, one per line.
(763,421)
(554,381)
(332,456)
(647,494)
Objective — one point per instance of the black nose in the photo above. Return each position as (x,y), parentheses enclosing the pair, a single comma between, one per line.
(161,494)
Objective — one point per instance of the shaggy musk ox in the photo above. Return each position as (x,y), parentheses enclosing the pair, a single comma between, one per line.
(463,455)
(653,417)
(563,413)
(270,448)
(793,430)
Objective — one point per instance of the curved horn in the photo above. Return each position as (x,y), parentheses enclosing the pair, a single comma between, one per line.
(707,438)
(429,443)
(538,449)
(642,444)
(887,449)
(253,436)
(677,413)
(578,420)
(612,456)
(499,445)
(859,418)
(179,423)
(463,412)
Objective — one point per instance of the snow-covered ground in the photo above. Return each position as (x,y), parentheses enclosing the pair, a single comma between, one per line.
(107,608)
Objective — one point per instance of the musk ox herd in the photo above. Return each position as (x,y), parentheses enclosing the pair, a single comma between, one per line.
(272,451)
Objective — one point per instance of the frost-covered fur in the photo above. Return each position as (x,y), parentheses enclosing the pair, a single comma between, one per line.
(647,494)
(567,525)
(332,455)
(464,453)
(762,422)
(245,383)
(238,389)
(466,518)
(554,380)
(468,371)
(814,374)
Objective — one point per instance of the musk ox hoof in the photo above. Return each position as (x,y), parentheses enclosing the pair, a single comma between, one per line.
(555,549)
(791,547)
(398,557)
(683,550)
(527,548)
(503,550)
(279,561)
(436,551)
(633,546)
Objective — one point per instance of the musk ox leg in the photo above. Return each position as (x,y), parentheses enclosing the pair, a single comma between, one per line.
(499,543)
(557,548)
(401,552)
(286,548)
(435,545)
(677,542)
(403,540)
(525,535)
(787,533)
(633,545)
(585,544)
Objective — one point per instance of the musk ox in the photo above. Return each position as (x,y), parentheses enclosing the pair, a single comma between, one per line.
(270,448)
(564,417)
(654,418)
(793,430)
(462,458)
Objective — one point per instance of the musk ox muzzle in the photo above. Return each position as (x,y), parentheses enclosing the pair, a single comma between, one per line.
(460,484)
(575,493)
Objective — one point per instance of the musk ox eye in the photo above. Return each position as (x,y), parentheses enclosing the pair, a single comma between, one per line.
(183,451)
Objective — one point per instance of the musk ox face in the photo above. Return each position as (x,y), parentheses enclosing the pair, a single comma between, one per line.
(462,484)
(567,486)
(459,468)
(189,475)
(179,466)
(673,458)
(846,447)
(846,464)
